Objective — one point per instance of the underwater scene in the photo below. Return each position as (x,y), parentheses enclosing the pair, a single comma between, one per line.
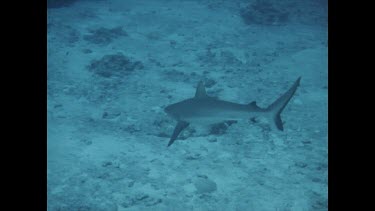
(174,105)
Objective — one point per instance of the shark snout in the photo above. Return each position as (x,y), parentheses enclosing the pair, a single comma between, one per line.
(167,109)
(170,111)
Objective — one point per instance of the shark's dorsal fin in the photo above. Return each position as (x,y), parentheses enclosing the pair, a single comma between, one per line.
(253,105)
(201,91)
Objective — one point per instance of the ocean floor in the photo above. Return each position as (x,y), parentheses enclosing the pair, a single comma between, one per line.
(113,66)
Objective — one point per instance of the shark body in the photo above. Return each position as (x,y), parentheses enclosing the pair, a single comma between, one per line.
(208,110)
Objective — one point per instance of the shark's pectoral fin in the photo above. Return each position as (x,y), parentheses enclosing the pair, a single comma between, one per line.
(177,130)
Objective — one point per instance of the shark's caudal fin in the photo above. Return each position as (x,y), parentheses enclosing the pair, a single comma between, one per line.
(278,106)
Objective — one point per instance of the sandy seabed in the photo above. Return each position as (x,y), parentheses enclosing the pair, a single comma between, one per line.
(114,65)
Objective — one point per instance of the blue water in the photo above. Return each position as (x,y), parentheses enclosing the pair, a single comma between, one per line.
(114,65)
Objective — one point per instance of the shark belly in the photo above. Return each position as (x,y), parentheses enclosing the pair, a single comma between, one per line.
(217,116)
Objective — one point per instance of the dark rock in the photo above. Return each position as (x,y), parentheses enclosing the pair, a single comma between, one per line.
(322,167)
(209,83)
(175,75)
(186,133)
(59,3)
(110,115)
(227,57)
(107,163)
(86,51)
(172,43)
(73,37)
(86,141)
(214,92)
(104,176)
(154,35)
(306,142)
(254,120)
(153,202)
(220,128)
(320,204)
(300,164)
(140,199)
(114,65)
(264,12)
(57,106)
(160,127)
(163,135)
(204,185)
(202,176)
(132,129)
(104,36)
(207,58)
(131,184)
(316,179)
(212,139)
(195,156)
(161,122)
(65,34)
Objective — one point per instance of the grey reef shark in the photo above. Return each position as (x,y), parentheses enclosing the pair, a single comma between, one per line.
(205,109)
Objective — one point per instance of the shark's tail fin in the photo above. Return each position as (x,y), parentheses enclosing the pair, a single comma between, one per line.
(278,106)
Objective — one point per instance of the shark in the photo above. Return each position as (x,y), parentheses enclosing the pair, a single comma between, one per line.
(209,110)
